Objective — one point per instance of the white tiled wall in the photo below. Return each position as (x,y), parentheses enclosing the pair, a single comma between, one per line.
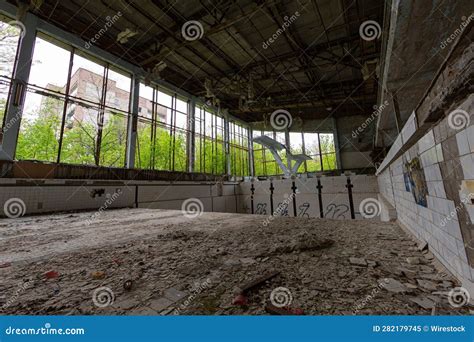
(438,223)
(335,198)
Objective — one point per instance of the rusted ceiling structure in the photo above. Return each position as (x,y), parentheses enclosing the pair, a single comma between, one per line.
(306,56)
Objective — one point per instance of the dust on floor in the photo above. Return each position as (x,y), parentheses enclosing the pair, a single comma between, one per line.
(150,262)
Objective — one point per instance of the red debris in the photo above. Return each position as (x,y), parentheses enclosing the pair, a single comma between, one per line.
(5,265)
(51,274)
(295,311)
(240,300)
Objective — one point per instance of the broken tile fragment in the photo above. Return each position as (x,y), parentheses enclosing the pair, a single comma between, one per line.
(413,260)
(393,285)
(426,284)
(160,304)
(358,261)
(424,302)
(174,295)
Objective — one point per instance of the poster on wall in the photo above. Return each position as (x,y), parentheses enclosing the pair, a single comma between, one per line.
(406,176)
(417,181)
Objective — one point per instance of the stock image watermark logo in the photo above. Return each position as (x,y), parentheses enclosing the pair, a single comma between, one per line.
(110,21)
(281,297)
(12,121)
(453,214)
(377,111)
(288,20)
(192,208)
(363,303)
(458,297)
(279,210)
(192,30)
(370,30)
(458,119)
(21,288)
(452,37)
(111,198)
(370,208)
(14,208)
(281,119)
(19,25)
(103,297)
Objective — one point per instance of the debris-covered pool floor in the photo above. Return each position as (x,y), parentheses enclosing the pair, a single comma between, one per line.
(150,262)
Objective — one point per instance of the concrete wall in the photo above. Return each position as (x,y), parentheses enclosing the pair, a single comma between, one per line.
(440,134)
(333,202)
(355,147)
(63,195)
(447,157)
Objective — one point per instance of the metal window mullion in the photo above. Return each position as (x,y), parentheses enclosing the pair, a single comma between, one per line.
(320,154)
(66,103)
(101,114)
(132,126)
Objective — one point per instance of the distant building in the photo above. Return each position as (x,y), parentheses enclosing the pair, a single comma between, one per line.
(87,85)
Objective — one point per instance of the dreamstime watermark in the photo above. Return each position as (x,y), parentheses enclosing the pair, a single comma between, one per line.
(377,111)
(280,208)
(286,24)
(370,208)
(18,24)
(103,297)
(14,208)
(195,290)
(458,297)
(110,21)
(458,119)
(370,30)
(108,202)
(281,297)
(363,303)
(192,30)
(21,288)
(46,330)
(454,212)
(192,208)
(452,37)
(12,121)
(281,119)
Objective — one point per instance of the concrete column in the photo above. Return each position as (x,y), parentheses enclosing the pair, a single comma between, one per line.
(133,123)
(14,110)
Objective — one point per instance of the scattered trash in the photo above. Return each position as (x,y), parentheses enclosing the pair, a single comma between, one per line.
(240,299)
(51,274)
(127,285)
(98,275)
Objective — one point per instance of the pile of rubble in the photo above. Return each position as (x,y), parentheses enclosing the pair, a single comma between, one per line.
(234,265)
